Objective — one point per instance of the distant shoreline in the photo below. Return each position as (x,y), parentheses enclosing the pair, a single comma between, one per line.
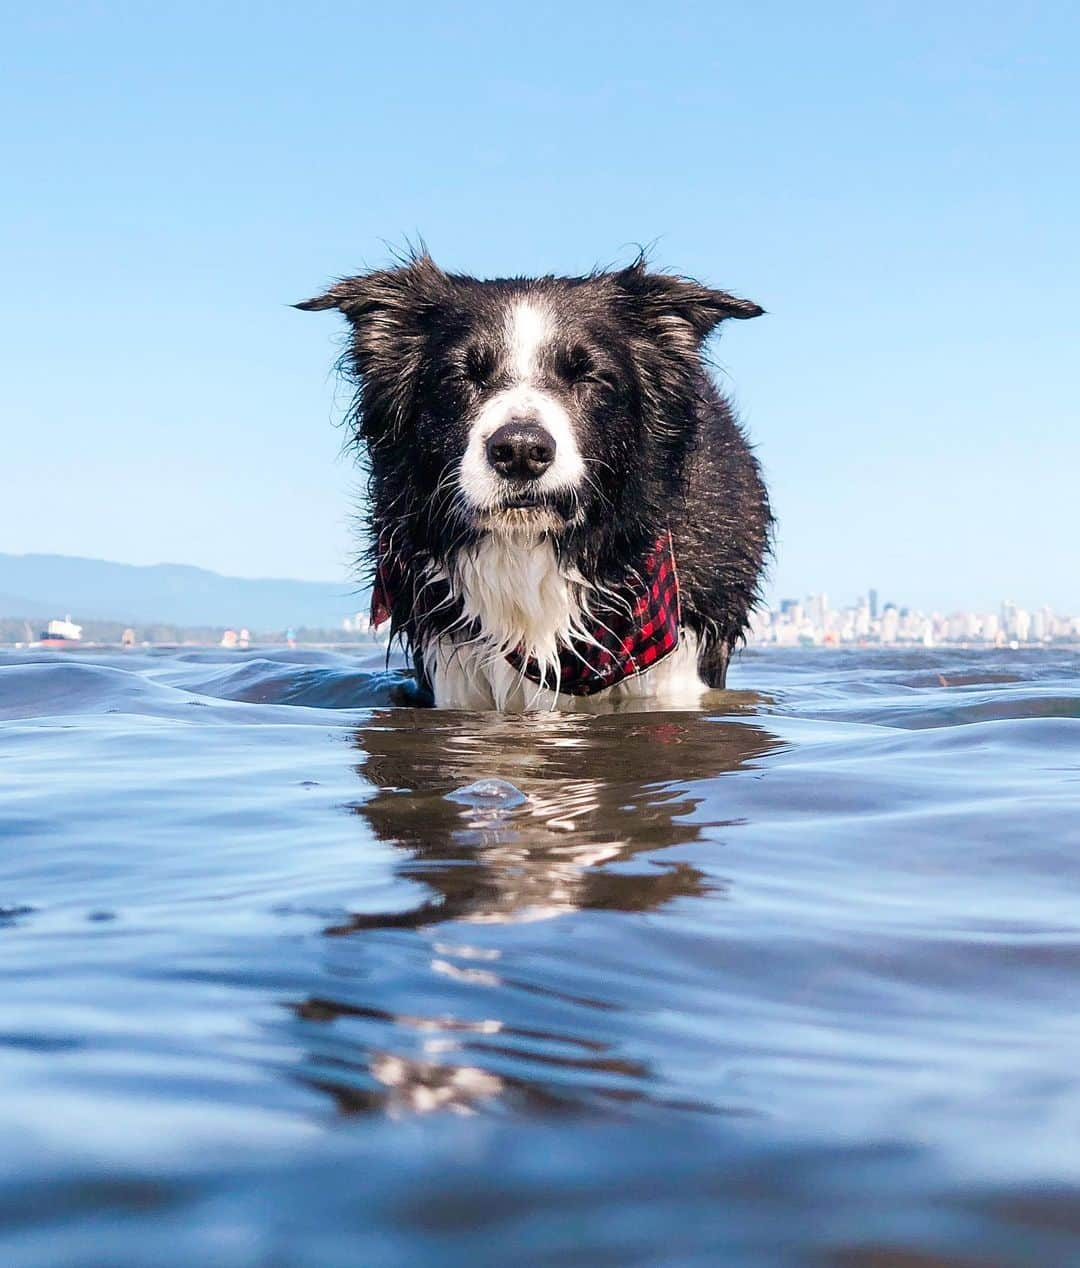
(333,641)
(23,631)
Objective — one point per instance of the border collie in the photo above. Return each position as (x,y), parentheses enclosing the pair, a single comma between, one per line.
(563,511)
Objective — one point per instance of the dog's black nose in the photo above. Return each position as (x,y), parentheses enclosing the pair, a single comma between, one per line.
(521,450)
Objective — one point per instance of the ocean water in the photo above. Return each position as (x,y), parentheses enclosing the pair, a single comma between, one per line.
(294,974)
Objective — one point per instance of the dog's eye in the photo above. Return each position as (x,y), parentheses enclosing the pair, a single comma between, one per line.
(574,365)
(479,366)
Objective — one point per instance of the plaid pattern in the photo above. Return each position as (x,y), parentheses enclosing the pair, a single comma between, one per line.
(628,637)
(382,604)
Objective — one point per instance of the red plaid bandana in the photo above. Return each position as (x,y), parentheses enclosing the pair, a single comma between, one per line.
(628,636)
(382,602)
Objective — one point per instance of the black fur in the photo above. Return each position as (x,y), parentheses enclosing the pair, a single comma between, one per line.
(662,445)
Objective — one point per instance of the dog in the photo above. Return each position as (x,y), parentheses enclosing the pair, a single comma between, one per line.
(564,512)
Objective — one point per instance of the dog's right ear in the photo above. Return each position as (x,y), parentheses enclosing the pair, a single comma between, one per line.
(390,311)
(336,297)
(416,281)
(367,294)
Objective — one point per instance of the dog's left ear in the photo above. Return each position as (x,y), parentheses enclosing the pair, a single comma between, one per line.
(679,304)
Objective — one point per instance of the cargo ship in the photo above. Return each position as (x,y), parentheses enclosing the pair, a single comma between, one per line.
(61,634)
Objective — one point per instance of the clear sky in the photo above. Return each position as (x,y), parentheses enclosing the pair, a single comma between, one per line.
(898,184)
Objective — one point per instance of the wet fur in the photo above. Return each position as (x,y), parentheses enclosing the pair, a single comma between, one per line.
(660,445)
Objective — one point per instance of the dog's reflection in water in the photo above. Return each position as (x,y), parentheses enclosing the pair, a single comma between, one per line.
(510,819)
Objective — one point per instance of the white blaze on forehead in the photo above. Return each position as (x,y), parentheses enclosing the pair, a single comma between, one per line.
(530,329)
(529,326)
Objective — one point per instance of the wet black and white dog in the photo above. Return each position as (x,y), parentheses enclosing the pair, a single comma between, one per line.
(563,509)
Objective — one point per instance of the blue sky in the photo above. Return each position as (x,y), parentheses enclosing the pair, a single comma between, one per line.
(897,184)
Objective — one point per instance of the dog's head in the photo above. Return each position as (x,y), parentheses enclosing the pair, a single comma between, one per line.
(526,406)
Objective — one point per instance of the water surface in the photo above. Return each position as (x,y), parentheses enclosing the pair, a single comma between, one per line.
(294,974)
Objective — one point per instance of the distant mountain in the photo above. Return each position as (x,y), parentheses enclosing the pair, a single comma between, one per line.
(39,586)
(27,609)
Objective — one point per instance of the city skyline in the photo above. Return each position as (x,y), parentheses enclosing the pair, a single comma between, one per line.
(812,620)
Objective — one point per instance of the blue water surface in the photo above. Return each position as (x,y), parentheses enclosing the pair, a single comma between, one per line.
(293,973)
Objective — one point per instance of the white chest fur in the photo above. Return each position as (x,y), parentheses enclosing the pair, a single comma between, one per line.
(516,594)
